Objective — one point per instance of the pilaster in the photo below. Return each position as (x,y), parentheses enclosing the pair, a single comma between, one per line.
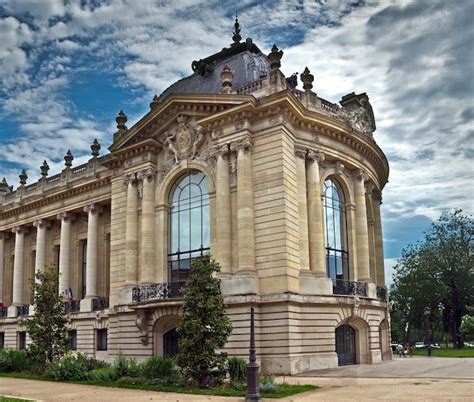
(362,237)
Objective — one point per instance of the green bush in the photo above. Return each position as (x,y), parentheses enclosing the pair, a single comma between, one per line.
(268,384)
(12,360)
(101,374)
(237,385)
(125,367)
(132,380)
(158,367)
(70,367)
(92,363)
(237,369)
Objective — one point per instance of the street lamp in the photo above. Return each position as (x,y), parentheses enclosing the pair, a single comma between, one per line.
(253,392)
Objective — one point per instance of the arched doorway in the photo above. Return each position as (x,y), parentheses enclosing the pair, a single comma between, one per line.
(170,343)
(346,345)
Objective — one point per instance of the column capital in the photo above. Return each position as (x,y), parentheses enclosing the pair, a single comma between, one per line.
(148,174)
(377,196)
(19,230)
(130,178)
(41,224)
(243,144)
(361,174)
(221,150)
(66,216)
(93,208)
(315,156)
(369,188)
(300,152)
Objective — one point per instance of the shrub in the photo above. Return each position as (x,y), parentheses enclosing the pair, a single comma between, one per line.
(124,367)
(12,360)
(237,369)
(101,374)
(268,384)
(132,380)
(158,367)
(92,363)
(237,385)
(70,367)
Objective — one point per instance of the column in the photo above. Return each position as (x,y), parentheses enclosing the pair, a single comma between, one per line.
(40,262)
(379,257)
(148,259)
(223,210)
(245,207)
(315,216)
(300,154)
(65,252)
(2,264)
(18,267)
(362,236)
(93,211)
(131,231)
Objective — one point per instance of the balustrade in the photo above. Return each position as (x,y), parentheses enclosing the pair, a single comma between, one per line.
(157,291)
(349,288)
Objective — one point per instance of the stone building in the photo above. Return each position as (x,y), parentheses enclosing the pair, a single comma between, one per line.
(282,187)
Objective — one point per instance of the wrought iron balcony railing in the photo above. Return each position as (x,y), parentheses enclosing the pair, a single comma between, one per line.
(382,293)
(349,288)
(72,306)
(22,310)
(101,303)
(3,312)
(158,291)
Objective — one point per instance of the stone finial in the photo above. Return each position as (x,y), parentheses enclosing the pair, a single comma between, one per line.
(154,102)
(23,176)
(4,186)
(95,148)
(44,169)
(307,79)
(274,58)
(68,158)
(121,119)
(236,34)
(226,76)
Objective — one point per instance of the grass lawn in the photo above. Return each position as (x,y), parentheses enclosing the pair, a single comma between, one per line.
(283,389)
(445,352)
(12,399)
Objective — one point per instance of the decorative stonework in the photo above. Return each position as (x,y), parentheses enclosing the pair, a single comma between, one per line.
(148,174)
(300,152)
(66,216)
(41,224)
(245,144)
(361,174)
(315,156)
(142,324)
(93,208)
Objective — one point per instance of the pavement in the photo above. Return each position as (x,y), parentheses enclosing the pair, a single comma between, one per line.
(416,379)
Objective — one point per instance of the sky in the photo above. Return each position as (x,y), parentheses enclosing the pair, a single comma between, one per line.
(68,67)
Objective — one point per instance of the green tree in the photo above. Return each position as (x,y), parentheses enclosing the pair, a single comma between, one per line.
(434,281)
(48,327)
(467,325)
(204,327)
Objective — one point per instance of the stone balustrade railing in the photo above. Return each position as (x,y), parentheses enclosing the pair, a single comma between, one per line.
(100,303)
(349,288)
(157,291)
(23,310)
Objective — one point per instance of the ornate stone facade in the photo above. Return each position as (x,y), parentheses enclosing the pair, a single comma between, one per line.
(266,150)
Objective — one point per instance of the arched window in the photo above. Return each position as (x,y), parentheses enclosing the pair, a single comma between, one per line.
(337,261)
(188,230)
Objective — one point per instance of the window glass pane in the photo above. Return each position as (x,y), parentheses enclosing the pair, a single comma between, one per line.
(184,231)
(206,233)
(196,217)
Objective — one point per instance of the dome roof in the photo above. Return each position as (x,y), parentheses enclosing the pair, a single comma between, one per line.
(244,58)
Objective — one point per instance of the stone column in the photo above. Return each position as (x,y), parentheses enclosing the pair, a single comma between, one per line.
(131,231)
(2,264)
(65,252)
(93,211)
(362,237)
(223,210)
(18,265)
(300,154)
(379,257)
(148,257)
(245,207)
(315,216)
(40,262)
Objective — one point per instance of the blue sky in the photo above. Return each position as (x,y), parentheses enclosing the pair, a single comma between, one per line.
(68,67)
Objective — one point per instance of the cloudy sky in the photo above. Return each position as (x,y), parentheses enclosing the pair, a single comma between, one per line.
(68,67)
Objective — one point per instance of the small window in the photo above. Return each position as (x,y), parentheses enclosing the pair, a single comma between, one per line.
(101,339)
(72,339)
(2,340)
(22,340)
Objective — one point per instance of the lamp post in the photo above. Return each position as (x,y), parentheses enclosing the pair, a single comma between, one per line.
(253,393)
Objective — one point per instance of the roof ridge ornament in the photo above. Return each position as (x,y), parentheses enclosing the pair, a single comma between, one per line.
(236,34)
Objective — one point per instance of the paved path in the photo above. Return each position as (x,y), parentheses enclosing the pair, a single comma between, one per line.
(416,367)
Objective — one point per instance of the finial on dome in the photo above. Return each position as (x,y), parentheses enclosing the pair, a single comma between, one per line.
(274,57)
(226,76)
(95,148)
(44,169)
(68,158)
(236,34)
(307,79)
(23,177)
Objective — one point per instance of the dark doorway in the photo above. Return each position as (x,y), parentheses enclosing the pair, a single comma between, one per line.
(170,343)
(345,345)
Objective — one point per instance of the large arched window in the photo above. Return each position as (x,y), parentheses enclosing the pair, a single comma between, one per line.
(337,261)
(188,231)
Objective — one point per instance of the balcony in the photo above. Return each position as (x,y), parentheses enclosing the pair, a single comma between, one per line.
(22,310)
(349,288)
(3,312)
(72,306)
(100,303)
(382,293)
(158,291)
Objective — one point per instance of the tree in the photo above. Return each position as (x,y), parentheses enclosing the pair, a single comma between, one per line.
(434,279)
(467,325)
(204,327)
(48,327)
